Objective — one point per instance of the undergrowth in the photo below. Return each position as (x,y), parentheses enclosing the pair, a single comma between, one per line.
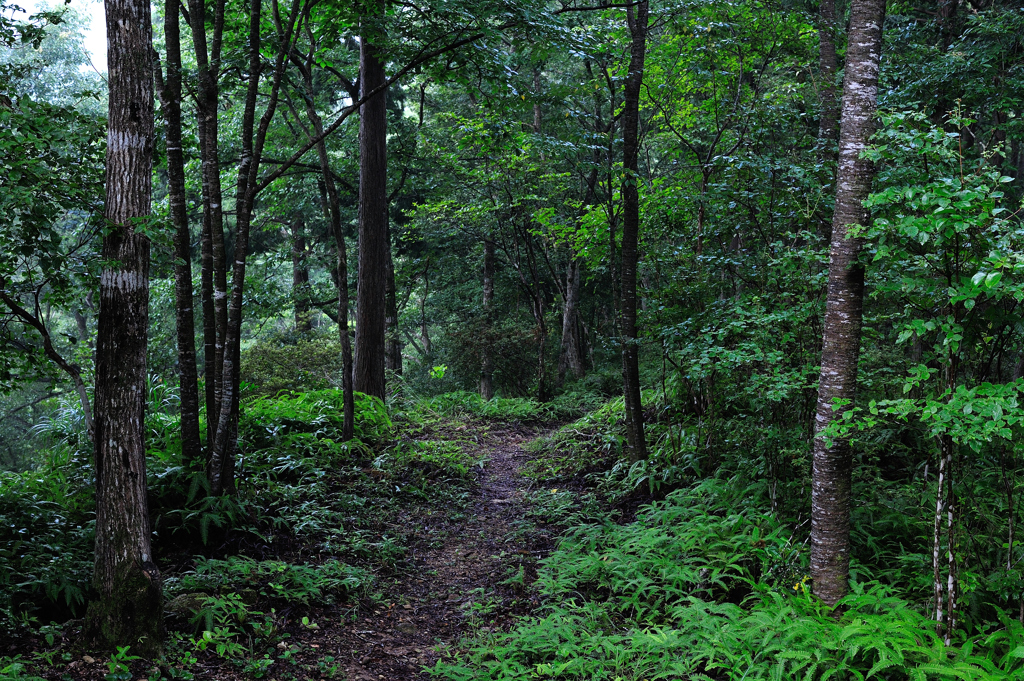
(699,589)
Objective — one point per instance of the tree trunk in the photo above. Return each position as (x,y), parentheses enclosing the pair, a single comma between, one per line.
(393,358)
(486,362)
(333,209)
(222,458)
(191,446)
(830,485)
(631,232)
(300,276)
(373,227)
(828,117)
(571,356)
(128,609)
(214,268)
(424,328)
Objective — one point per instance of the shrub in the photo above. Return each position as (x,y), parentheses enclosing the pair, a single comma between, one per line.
(284,363)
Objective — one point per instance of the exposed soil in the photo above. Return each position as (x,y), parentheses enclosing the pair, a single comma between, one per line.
(455,587)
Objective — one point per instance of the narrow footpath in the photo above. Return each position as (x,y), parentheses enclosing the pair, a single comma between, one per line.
(476,581)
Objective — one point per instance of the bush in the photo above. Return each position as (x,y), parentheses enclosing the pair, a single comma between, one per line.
(283,363)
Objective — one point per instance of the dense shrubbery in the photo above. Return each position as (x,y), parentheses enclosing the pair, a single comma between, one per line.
(292,362)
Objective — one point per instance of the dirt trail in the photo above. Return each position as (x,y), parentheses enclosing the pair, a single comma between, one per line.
(455,587)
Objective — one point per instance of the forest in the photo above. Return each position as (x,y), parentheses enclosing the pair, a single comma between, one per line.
(512,339)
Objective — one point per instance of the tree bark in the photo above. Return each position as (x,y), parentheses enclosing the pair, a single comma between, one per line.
(830,485)
(213,275)
(486,361)
(631,231)
(333,209)
(222,458)
(571,355)
(170,98)
(300,276)
(373,226)
(128,609)
(424,327)
(828,117)
(393,358)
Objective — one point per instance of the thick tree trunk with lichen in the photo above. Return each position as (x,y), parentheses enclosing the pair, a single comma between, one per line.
(631,232)
(170,99)
(830,486)
(371,326)
(128,609)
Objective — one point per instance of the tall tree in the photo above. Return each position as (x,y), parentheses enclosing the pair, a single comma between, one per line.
(213,271)
(331,205)
(637,23)
(128,609)
(830,485)
(170,100)
(373,217)
(254,137)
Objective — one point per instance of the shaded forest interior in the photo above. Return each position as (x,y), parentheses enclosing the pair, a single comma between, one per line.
(497,339)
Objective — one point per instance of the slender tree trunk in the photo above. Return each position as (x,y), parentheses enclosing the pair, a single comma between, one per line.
(373,227)
(828,117)
(222,456)
(128,609)
(424,328)
(486,362)
(573,349)
(631,231)
(300,276)
(210,367)
(571,356)
(393,358)
(214,267)
(333,209)
(830,486)
(191,446)
(222,459)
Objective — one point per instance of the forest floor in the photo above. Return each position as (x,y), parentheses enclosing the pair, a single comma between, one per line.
(475,580)
(467,570)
